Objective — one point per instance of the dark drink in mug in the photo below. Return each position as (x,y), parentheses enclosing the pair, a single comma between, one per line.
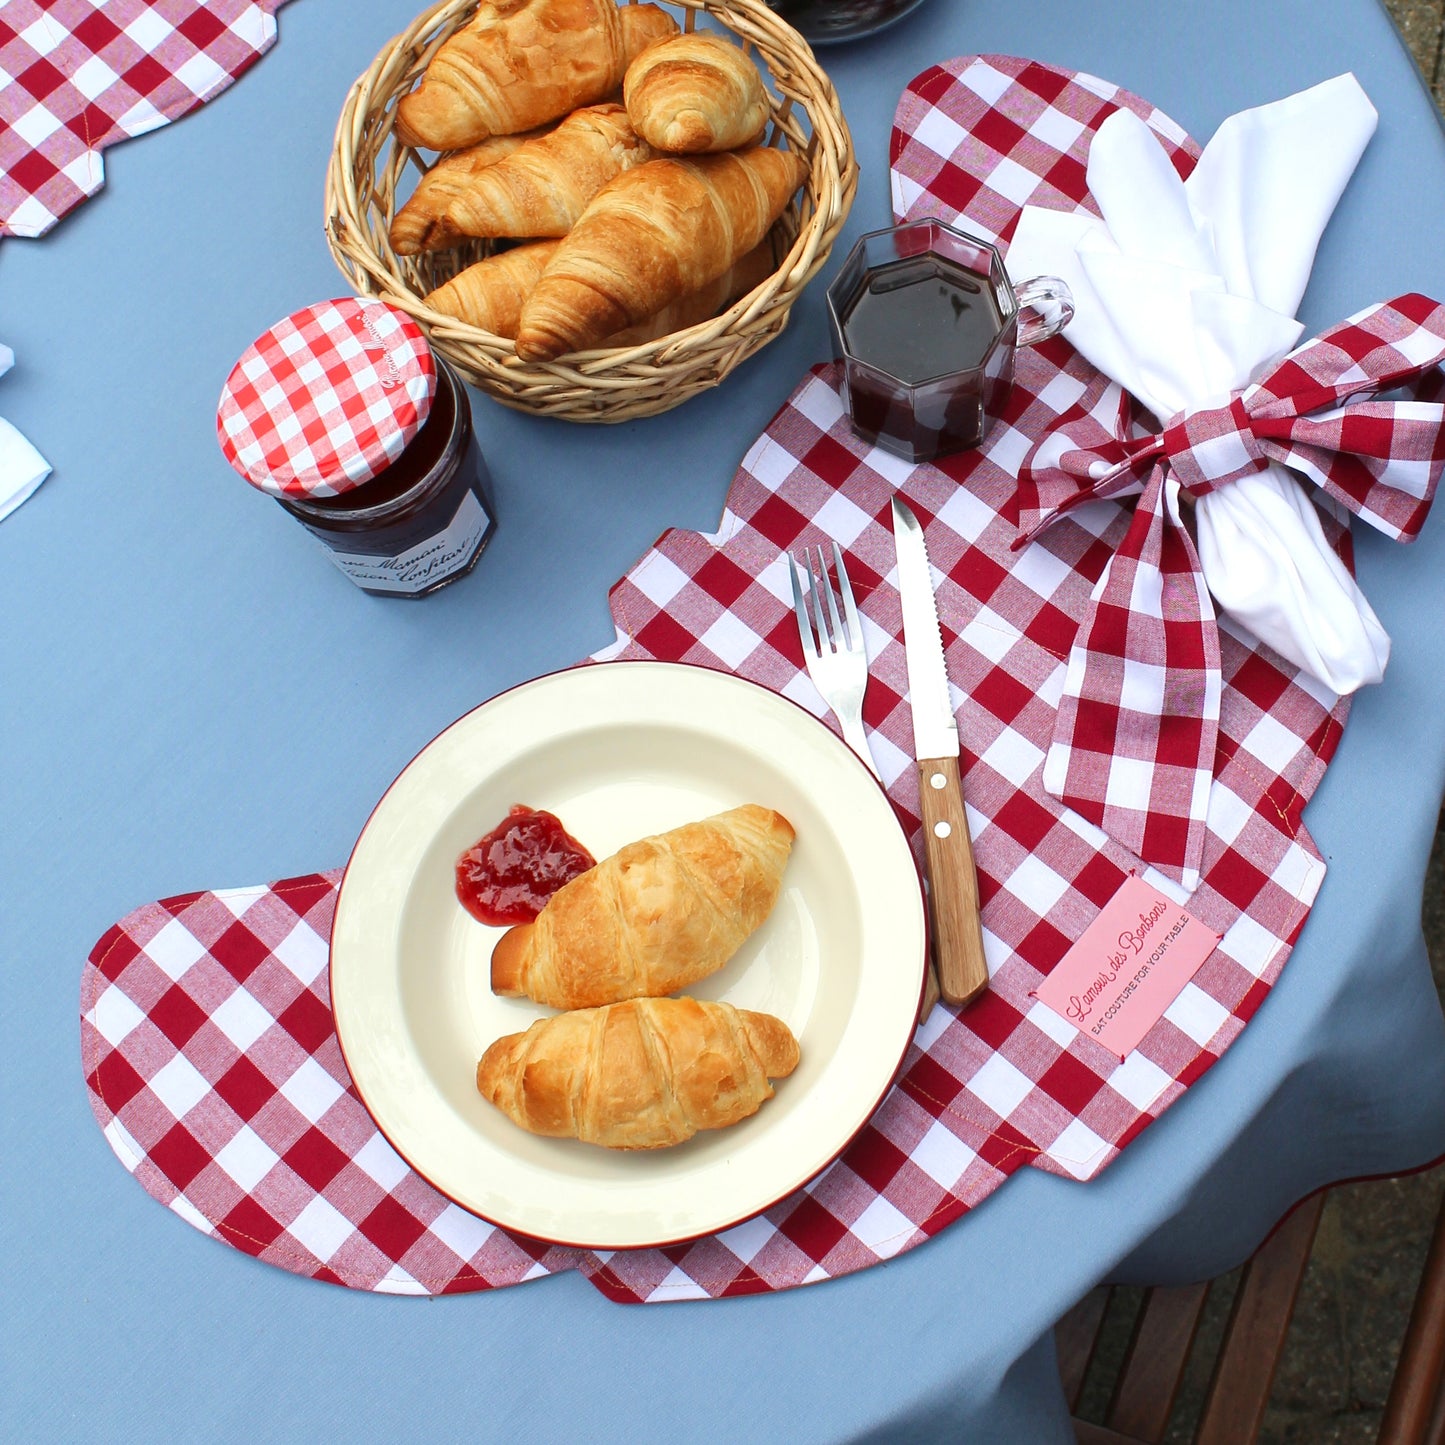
(922,317)
(916,320)
(926,324)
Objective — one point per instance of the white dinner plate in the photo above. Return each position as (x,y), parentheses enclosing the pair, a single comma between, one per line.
(618,751)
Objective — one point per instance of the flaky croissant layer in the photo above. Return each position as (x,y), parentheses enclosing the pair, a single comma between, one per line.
(519,63)
(422,224)
(540,189)
(654,917)
(490,293)
(696,93)
(656,233)
(698,306)
(638,1075)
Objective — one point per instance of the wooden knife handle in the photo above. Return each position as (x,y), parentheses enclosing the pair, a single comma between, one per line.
(952,882)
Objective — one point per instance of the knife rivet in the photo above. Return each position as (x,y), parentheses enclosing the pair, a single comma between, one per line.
(942,829)
(938,781)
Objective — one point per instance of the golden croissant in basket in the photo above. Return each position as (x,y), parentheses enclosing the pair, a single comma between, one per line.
(656,233)
(421,224)
(539,189)
(696,93)
(702,305)
(654,917)
(518,63)
(638,1075)
(490,293)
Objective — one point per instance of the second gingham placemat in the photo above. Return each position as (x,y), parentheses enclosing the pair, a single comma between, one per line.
(77,76)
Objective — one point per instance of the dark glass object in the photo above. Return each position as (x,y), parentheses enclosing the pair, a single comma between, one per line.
(824,22)
(425,520)
(926,324)
(921,317)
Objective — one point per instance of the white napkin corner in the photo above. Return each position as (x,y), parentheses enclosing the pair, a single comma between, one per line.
(1186,291)
(22,468)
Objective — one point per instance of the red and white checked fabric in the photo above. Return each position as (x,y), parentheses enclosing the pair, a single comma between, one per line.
(1135,742)
(207,1045)
(215,1071)
(1380,460)
(326,399)
(79,75)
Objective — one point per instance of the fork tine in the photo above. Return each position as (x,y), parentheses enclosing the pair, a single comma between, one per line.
(850,608)
(837,635)
(805,627)
(812,594)
(825,640)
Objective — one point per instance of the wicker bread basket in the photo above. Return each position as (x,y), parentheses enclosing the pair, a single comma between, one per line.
(369,164)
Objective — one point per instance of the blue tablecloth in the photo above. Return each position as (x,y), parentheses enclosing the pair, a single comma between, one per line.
(192,697)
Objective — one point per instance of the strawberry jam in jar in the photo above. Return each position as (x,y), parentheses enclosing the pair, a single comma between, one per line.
(344,415)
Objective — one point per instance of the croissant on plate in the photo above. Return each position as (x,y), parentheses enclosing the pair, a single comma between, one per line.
(654,917)
(542,187)
(421,223)
(638,1075)
(659,231)
(489,294)
(696,93)
(518,63)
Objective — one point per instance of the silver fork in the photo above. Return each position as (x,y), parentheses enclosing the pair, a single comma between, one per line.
(835,655)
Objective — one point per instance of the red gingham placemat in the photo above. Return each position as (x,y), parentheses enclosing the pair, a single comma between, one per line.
(207,1041)
(77,76)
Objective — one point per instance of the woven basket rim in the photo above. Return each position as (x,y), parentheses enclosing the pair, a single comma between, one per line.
(364,133)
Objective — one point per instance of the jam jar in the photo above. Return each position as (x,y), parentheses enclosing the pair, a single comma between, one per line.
(344,415)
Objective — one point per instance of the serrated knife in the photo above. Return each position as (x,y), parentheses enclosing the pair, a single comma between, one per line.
(948,850)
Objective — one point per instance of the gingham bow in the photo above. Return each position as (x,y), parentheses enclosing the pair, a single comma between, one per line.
(1133,747)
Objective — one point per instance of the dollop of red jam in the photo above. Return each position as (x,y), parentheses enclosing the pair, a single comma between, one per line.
(508,876)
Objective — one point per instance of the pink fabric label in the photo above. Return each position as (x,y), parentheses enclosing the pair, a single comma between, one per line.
(1129,966)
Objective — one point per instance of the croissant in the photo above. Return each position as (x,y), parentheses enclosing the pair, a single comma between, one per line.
(638,1075)
(518,63)
(695,93)
(490,293)
(421,224)
(657,232)
(702,305)
(544,185)
(651,919)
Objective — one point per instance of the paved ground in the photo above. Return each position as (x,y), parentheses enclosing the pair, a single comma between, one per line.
(1422,23)
(1354,1302)
(1372,1239)
(1362,1276)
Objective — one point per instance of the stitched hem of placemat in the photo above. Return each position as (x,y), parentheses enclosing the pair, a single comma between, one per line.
(162,1189)
(1019,1150)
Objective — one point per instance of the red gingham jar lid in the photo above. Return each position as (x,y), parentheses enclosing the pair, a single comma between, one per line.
(327,398)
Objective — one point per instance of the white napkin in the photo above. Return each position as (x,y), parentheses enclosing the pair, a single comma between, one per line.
(1187,291)
(22,468)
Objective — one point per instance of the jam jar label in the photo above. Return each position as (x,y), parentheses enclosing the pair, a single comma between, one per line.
(426,564)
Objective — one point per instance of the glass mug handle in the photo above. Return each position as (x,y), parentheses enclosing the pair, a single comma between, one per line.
(1053,304)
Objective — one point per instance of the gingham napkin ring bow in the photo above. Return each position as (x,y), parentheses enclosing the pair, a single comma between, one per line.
(1134,742)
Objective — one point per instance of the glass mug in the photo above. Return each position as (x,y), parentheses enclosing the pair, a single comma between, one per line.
(926,322)
(826,22)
